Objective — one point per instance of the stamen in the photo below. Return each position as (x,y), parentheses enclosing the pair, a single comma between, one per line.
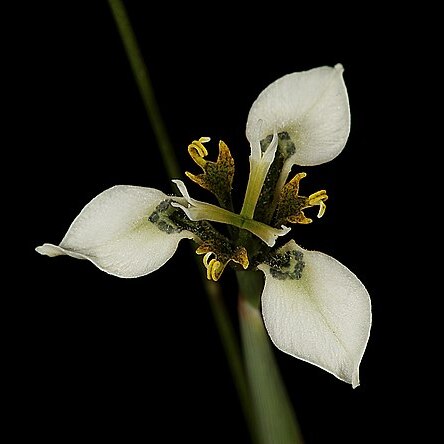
(205,258)
(197,151)
(214,267)
(214,270)
(209,269)
(215,261)
(318,198)
(322,208)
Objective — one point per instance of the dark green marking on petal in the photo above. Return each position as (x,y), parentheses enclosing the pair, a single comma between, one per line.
(288,265)
(161,217)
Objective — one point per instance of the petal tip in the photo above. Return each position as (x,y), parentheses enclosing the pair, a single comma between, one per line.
(50,250)
(339,68)
(355,381)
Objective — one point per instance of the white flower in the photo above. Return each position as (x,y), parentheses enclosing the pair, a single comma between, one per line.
(314,308)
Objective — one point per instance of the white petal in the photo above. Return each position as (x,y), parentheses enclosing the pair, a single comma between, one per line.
(312,106)
(323,318)
(113,232)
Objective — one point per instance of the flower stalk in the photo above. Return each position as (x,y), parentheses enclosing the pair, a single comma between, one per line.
(212,289)
(142,77)
(274,417)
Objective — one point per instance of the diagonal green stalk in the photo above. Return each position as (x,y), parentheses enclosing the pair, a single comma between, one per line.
(213,290)
(232,351)
(143,81)
(275,420)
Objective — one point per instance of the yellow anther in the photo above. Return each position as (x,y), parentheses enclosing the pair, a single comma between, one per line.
(215,261)
(213,266)
(322,208)
(209,269)
(215,269)
(197,151)
(318,198)
(205,258)
(315,198)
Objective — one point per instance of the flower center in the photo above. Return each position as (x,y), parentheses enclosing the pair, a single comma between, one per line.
(271,213)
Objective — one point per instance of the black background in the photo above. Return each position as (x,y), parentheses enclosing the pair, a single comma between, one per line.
(101,358)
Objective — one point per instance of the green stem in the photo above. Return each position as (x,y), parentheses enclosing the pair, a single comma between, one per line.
(145,88)
(213,291)
(232,350)
(275,420)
